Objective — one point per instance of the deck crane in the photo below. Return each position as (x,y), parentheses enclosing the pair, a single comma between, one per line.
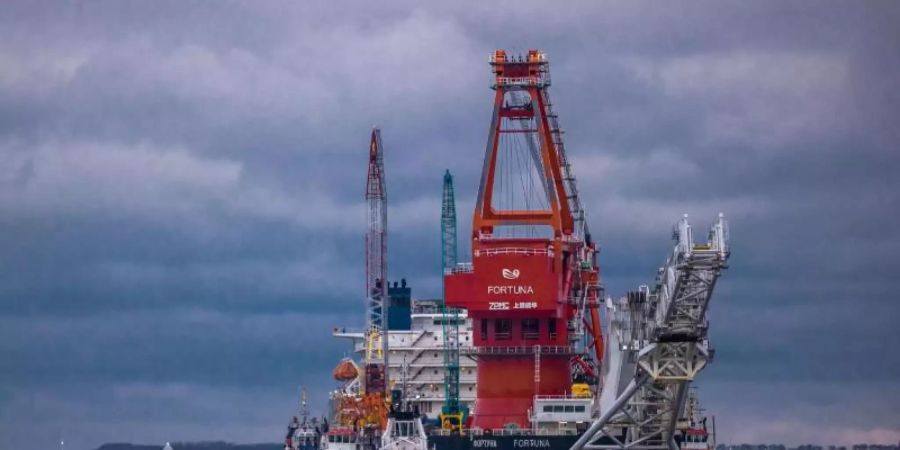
(453,413)
(376,236)
(662,344)
(448,224)
(376,373)
(361,403)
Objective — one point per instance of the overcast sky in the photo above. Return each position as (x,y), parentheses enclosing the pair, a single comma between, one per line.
(181,187)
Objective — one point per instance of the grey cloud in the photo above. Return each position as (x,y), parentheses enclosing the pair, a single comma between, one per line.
(191,176)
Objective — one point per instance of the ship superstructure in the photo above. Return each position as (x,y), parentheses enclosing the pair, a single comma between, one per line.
(303,432)
(417,357)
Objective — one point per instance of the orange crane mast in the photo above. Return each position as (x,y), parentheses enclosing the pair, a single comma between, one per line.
(533,274)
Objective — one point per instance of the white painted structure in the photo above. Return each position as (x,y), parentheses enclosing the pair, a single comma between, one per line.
(404,434)
(560,414)
(417,356)
(657,345)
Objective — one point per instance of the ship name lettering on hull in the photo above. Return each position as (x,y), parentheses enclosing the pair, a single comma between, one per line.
(531,443)
(513,290)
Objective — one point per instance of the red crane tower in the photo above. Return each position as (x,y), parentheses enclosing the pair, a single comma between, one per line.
(533,285)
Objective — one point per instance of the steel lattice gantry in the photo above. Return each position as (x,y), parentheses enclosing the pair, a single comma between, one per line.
(661,346)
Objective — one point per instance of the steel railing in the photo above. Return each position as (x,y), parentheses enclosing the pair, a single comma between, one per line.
(526,251)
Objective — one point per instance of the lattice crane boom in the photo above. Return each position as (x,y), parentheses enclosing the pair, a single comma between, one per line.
(376,236)
(448,225)
(377,371)
(452,415)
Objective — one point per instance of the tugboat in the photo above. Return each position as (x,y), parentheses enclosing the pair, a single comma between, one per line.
(340,439)
(404,430)
(303,432)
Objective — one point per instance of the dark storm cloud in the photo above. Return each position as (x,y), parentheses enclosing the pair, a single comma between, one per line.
(181,220)
(222,348)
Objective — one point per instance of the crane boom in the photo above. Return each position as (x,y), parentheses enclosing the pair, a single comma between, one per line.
(453,414)
(448,224)
(376,369)
(376,235)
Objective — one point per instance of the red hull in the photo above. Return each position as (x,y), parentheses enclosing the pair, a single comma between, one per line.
(507,386)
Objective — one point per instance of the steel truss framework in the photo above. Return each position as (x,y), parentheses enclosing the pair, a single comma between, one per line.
(664,332)
(376,238)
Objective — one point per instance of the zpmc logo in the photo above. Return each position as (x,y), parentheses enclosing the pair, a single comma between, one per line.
(511,274)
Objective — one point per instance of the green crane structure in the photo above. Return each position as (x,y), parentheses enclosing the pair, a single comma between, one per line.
(453,413)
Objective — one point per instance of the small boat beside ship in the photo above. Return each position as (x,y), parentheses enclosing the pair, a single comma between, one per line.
(304,432)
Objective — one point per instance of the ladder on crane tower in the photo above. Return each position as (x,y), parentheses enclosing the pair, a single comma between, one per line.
(581,228)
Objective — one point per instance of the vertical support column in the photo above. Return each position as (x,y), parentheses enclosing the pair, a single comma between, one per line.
(680,395)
